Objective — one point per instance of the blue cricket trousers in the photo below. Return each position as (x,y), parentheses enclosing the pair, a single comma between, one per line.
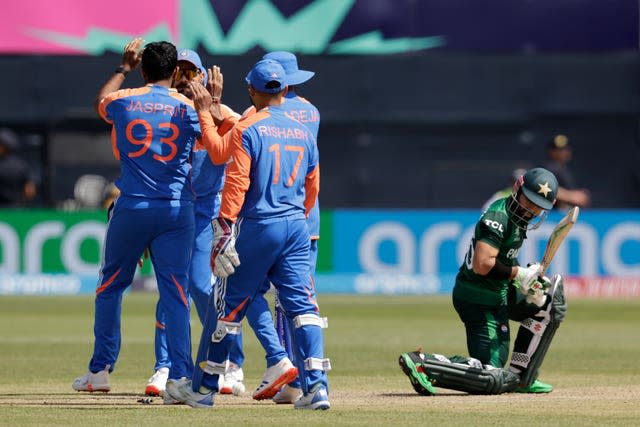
(166,228)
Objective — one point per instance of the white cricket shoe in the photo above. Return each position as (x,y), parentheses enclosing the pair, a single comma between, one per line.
(157,383)
(227,381)
(287,394)
(179,391)
(315,399)
(274,378)
(93,382)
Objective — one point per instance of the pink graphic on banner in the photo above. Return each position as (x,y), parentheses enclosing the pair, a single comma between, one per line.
(24,25)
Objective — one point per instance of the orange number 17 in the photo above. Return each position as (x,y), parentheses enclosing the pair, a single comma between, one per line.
(275,149)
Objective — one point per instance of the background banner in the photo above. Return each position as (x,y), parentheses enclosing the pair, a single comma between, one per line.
(375,27)
(360,251)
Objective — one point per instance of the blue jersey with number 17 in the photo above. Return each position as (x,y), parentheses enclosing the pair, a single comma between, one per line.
(275,160)
(154,129)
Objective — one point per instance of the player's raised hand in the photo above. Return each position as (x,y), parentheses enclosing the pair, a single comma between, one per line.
(215,83)
(132,55)
(201,97)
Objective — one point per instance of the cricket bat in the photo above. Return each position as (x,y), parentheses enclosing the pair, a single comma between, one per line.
(557,237)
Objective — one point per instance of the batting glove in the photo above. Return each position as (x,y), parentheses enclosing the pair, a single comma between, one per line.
(538,291)
(527,277)
(223,249)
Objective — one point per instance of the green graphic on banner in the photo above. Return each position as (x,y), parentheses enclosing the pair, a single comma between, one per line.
(325,252)
(260,23)
(49,241)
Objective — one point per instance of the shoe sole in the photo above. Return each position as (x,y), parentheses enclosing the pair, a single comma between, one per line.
(533,390)
(318,406)
(90,389)
(273,389)
(198,405)
(408,367)
(173,401)
(152,390)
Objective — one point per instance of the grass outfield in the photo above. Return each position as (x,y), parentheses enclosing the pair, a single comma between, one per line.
(593,363)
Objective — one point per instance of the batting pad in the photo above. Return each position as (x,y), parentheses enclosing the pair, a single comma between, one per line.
(461,377)
(536,333)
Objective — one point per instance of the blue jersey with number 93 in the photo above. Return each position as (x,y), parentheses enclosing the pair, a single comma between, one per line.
(154,129)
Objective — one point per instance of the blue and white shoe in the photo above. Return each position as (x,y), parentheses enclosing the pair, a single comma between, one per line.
(315,399)
(180,391)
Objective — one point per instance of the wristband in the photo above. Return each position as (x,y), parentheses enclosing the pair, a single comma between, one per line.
(499,271)
(121,70)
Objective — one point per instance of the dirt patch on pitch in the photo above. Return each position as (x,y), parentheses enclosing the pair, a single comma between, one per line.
(592,398)
(589,399)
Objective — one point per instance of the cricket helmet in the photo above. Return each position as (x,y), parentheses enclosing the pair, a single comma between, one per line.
(540,187)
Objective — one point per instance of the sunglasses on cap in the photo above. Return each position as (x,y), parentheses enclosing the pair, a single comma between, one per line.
(189,74)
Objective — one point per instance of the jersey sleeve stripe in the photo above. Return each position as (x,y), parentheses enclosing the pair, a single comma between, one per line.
(236,178)
(311,188)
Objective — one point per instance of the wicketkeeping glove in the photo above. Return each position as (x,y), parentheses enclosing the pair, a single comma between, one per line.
(223,249)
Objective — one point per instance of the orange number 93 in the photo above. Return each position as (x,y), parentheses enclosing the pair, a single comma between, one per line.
(145,142)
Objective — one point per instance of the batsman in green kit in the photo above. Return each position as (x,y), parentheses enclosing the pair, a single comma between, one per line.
(492,288)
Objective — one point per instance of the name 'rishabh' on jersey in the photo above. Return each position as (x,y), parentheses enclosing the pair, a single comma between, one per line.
(269,179)
(154,129)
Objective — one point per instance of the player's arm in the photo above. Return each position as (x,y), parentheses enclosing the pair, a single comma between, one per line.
(236,181)
(486,263)
(311,188)
(218,147)
(224,256)
(485,259)
(490,235)
(577,197)
(228,122)
(130,60)
(312,181)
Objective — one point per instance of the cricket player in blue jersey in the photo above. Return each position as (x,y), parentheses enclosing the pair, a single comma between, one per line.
(154,129)
(207,177)
(258,313)
(261,233)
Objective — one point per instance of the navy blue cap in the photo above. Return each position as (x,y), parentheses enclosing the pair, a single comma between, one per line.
(289,62)
(267,76)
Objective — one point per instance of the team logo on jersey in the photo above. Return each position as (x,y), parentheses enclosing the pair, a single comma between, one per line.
(544,189)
